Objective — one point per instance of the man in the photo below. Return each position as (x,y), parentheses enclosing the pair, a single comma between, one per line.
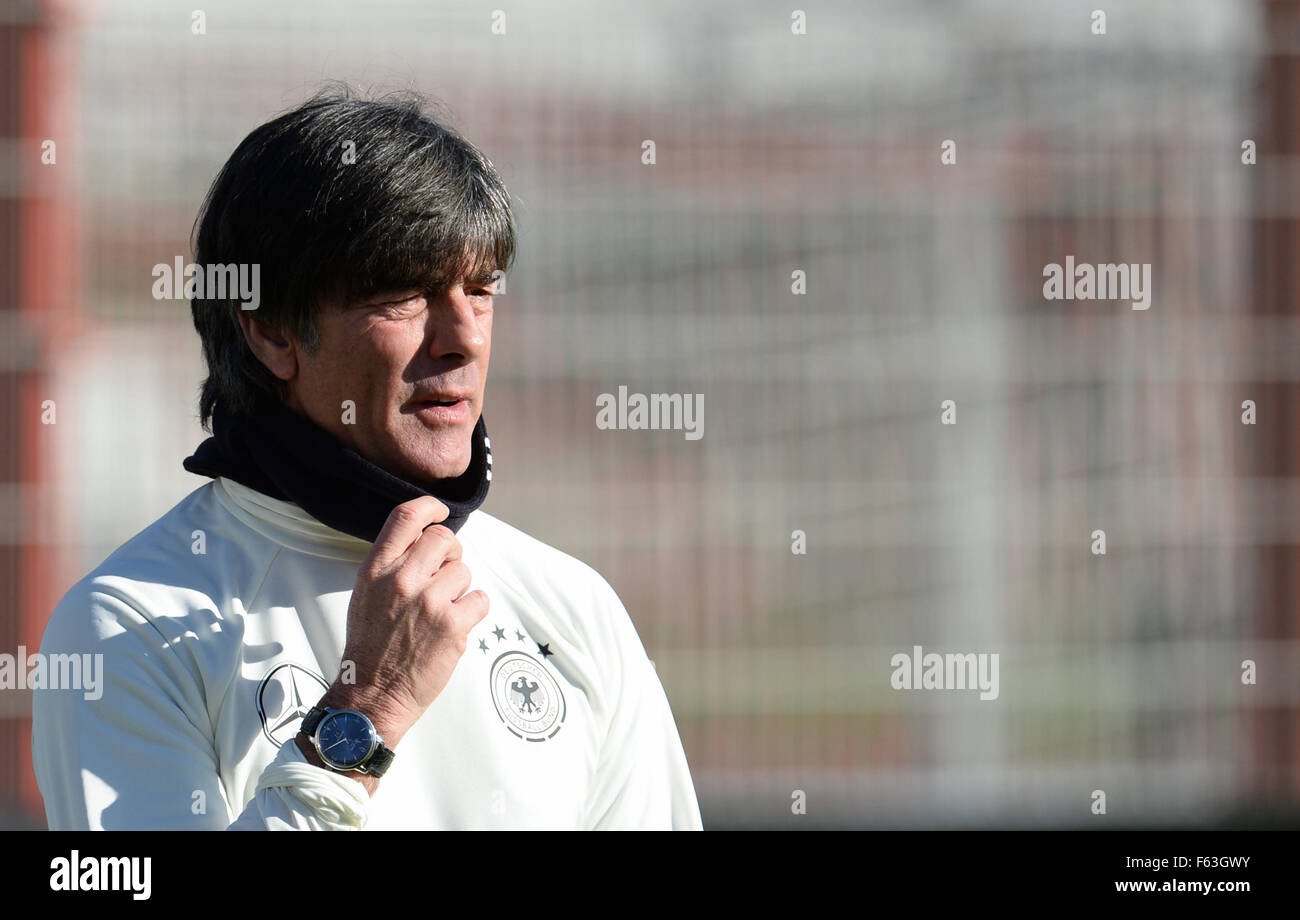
(330,634)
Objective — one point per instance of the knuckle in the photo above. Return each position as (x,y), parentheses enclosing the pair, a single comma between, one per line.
(407,512)
(446,539)
(477,603)
(432,602)
(404,582)
(456,571)
(438,615)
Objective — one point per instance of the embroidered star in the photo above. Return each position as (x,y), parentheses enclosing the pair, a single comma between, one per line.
(483,646)
(520,635)
(499,633)
(545,650)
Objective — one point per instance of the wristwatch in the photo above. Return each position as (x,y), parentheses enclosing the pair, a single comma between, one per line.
(347,741)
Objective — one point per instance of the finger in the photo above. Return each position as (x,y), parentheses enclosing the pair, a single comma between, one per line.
(450,582)
(475,604)
(404,527)
(436,547)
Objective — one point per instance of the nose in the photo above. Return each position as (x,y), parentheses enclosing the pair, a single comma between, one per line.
(457,329)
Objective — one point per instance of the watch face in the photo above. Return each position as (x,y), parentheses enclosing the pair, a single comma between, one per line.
(345,739)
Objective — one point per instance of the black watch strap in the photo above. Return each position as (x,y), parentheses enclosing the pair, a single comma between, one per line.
(379,762)
(312,719)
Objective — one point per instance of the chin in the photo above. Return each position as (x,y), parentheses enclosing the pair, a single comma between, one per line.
(423,454)
(444,465)
(450,471)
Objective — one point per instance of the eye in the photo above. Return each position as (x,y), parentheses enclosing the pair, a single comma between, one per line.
(480,297)
(399,305)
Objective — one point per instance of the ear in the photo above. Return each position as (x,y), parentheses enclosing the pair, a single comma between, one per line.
(274,349)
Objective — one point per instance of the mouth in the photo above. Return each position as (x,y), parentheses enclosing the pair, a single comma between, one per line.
(441,409)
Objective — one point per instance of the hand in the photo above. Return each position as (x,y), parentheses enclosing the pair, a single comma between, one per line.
(409,619)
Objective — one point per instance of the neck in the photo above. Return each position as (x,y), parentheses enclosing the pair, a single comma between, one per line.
(283,454)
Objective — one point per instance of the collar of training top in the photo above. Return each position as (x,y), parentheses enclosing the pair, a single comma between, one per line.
(280,453)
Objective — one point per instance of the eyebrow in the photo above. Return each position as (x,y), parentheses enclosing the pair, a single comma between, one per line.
(483,278)
(416,289)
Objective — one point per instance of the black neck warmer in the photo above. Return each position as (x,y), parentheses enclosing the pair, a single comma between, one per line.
(280,453)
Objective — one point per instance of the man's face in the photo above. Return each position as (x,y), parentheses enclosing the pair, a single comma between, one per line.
(414,364)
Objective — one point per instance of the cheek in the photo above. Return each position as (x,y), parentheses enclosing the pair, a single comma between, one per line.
(320,377)
(380,358)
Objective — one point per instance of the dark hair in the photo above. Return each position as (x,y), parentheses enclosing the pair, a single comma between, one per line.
(418,206)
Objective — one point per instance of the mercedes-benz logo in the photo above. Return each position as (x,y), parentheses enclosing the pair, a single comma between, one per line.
(284,697)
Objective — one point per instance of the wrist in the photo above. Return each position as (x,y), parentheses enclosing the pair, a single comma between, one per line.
(388,719)
(313,757)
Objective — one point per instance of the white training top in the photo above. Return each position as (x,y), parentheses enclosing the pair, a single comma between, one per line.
(223,622)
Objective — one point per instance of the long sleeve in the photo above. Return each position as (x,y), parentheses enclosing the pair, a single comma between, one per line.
(642,780)
(137,752)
